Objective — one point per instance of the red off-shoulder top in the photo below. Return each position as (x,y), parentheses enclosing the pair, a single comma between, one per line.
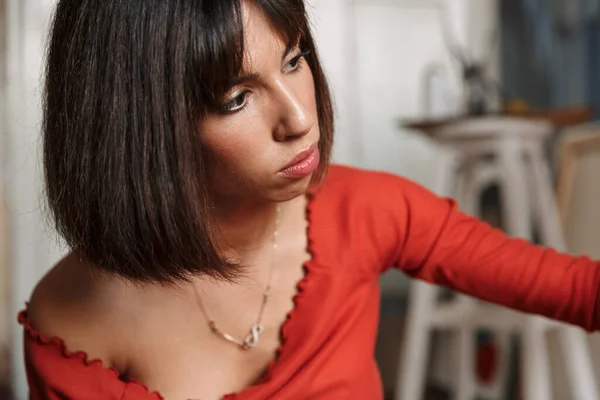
(360,224)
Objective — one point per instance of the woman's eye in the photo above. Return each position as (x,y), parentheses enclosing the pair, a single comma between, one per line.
(294,63)
(236,104)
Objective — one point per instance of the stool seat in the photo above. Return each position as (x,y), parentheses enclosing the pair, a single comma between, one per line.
(478,152)
(492,126)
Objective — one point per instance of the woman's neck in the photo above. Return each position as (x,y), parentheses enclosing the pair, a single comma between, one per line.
(245,227)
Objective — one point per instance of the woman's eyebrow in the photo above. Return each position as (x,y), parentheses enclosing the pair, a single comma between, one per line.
(245,78)
(254,76)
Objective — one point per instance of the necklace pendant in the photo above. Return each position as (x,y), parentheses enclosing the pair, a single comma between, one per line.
(252,339)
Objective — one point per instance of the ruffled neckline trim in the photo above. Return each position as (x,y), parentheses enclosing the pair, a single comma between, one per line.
(82,356)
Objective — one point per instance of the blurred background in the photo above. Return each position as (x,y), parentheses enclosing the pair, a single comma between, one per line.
(491,101)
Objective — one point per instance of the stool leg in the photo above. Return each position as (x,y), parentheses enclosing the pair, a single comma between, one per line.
(467,385)
(547,213)
(469,193)
(517,219)
(535,363)
(574,344)
(504,343)
(474,179)
(576,352)
(513,188)
(447,167)
(412,369)
(449,182)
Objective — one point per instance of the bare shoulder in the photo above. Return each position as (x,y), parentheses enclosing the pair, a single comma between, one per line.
(77,304)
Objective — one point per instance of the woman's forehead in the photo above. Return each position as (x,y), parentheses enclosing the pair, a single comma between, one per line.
(263,40)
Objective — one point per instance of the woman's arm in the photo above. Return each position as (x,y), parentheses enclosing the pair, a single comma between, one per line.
(437,243)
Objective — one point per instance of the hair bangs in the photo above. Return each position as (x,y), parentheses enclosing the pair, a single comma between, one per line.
(289,17)
(217,40)
(219,43)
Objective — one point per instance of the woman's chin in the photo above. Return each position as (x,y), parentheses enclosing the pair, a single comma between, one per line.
(293,188)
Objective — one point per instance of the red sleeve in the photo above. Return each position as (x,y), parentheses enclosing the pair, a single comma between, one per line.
(55,373)
(435,242)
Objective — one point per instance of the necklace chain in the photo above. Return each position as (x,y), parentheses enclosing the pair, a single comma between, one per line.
(252,339)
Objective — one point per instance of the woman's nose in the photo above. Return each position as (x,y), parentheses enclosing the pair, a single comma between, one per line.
(295,120)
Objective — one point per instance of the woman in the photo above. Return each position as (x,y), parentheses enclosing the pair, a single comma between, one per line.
(186,146)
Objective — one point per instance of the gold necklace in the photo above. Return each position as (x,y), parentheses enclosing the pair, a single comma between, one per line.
(256,329)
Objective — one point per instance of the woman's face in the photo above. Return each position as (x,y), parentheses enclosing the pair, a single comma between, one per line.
(268,121)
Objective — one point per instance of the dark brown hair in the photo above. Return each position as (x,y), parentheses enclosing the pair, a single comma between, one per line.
(126,84)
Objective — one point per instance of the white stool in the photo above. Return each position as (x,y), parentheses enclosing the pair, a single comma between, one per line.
(509,151)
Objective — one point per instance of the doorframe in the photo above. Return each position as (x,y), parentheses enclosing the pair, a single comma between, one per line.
(5,278)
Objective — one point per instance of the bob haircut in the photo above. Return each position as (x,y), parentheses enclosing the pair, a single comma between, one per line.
(126,83)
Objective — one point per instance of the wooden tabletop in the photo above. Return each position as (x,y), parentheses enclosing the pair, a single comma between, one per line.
(559,117)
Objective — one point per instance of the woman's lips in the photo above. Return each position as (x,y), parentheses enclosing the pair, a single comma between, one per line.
(303,164)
